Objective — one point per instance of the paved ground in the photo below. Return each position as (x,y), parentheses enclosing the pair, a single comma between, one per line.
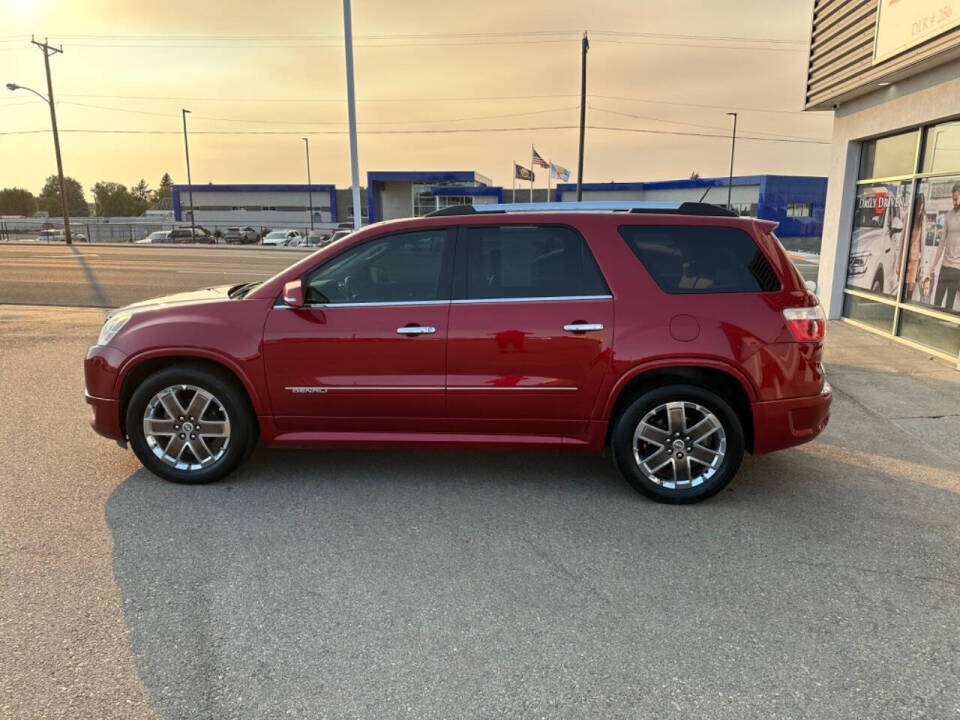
(108,276)
(825,583)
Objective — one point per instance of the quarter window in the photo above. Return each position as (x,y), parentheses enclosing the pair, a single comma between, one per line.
(529,261)
(398,268)
(685,260)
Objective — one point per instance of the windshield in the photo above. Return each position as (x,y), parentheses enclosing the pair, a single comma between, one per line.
(276,235)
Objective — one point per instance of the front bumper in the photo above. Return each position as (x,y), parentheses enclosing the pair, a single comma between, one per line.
(105,417)
(100,370)
(780,424)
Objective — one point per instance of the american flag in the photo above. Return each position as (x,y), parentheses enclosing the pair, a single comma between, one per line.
(537,160)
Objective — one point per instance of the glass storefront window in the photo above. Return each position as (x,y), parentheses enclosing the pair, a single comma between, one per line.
(870,312)
(941,149)
(932,274)
(879,223)
(889,156)
(905,239)
(934,332)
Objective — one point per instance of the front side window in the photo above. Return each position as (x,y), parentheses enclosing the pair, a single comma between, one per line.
(700,259)
(408,267)
(529,261)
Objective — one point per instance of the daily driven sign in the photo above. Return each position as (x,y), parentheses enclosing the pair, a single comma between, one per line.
(903,24)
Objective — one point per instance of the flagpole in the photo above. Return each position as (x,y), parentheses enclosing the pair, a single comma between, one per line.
(549,173)
(513,194)
(531,173)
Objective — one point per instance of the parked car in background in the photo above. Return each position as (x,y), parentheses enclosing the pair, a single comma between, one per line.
(340,234)
(159,236)
(316,238)
(241,235)
(60,236)
(278,238)
(185,235)
(679,336)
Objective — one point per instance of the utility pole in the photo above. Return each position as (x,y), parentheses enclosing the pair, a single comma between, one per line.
(584,46)
(733,145)
(309,183)
(48,50)
(352,112)
(186,149)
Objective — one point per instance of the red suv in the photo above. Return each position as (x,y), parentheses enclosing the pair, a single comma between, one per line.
(678,335)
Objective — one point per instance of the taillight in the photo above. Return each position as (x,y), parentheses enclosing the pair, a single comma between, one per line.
(807,324)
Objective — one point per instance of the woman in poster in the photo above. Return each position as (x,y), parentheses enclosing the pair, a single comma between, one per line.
(917,230)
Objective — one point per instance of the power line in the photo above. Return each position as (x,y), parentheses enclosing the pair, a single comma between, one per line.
(647,101)
(422,36)
(326,122)
(429,131)
(680,122)
(703,105)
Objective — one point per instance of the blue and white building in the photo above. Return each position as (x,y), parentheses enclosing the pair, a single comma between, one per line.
(270,206)
(794,201)
(399,194)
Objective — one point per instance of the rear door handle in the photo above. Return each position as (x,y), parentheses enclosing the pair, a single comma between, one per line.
(416,330)
(582,327)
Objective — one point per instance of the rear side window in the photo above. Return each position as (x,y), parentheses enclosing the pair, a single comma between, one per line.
(529,261)
(701,259)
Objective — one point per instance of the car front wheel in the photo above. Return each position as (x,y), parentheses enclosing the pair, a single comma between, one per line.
(190,424)
(678,444)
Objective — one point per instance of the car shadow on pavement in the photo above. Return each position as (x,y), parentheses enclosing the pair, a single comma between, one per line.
(354,583)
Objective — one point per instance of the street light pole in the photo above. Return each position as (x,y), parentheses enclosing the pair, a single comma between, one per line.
(49,50)
(352,112)
(584,46)
(309,183)
(733,145)
(186,149)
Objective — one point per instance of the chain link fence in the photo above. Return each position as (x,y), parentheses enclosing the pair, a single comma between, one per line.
(96,230)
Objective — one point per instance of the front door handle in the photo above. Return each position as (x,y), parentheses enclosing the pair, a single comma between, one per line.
(582,327)
(416,330)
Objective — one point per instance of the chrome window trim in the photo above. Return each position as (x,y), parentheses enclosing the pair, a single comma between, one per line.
(554,298)
(410,303)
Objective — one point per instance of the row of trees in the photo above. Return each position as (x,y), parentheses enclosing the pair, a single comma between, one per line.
(110,199)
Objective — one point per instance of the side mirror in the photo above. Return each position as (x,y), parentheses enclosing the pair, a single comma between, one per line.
(811,285)
(293,293)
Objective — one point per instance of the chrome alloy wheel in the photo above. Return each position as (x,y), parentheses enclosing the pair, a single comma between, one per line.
(186,427)
(679,445)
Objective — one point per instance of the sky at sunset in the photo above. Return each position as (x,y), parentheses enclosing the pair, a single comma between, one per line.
(514,66)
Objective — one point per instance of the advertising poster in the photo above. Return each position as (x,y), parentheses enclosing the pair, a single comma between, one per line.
(878,226)
(932,273)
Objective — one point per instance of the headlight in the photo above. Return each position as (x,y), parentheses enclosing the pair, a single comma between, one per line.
(112,326)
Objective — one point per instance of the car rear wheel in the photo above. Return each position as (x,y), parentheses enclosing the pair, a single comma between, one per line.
(189,424)
(678,444)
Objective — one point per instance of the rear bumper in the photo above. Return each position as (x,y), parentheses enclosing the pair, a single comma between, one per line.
(780,424)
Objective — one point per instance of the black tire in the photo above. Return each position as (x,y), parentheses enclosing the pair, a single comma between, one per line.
(621,443)
(230,394)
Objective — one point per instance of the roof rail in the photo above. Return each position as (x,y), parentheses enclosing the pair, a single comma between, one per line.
(630,206)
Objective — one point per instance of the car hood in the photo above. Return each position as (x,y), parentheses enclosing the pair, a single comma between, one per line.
(194,297)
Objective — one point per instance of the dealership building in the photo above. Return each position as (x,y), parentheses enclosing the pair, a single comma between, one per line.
(796,202)
(890,71)
(269,206)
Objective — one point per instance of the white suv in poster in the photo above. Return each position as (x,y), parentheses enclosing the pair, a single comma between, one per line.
(878,226)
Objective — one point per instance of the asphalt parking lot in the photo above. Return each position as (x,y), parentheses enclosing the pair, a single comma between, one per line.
(824,583)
